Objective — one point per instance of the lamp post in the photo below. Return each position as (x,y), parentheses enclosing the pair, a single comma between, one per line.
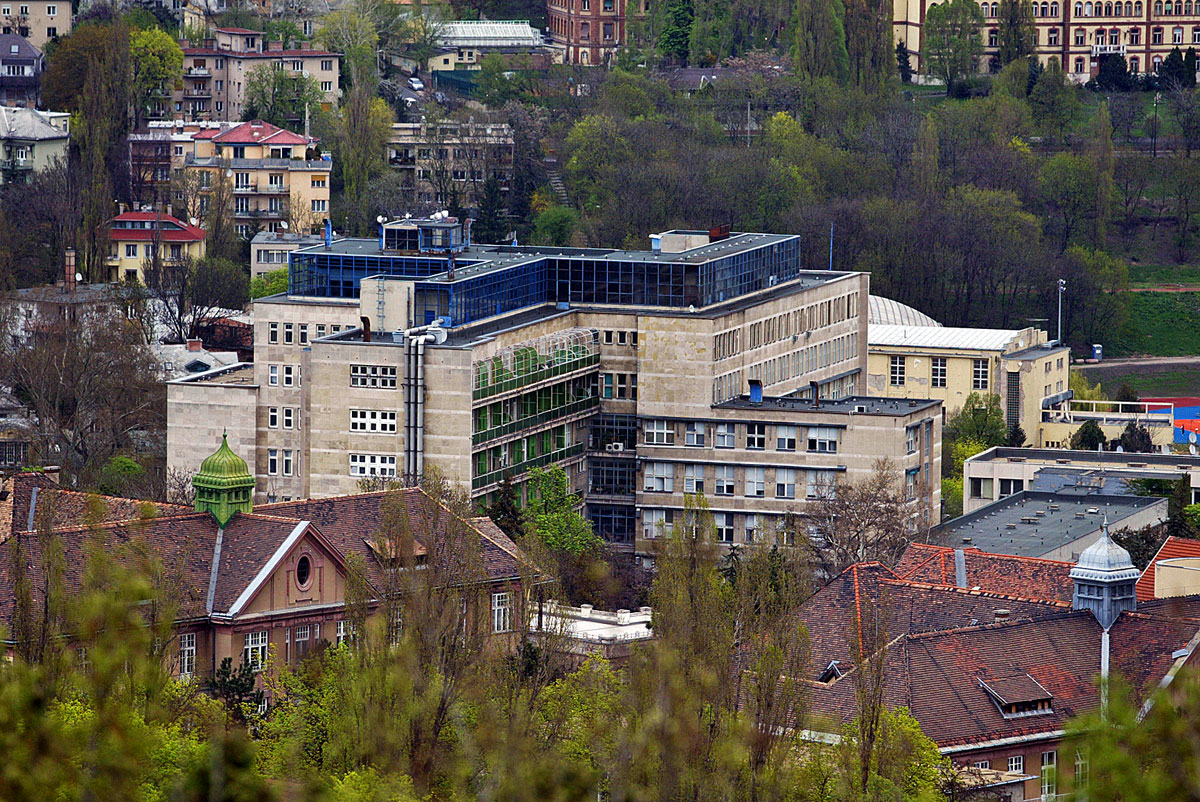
(1062,287)
(1154,134)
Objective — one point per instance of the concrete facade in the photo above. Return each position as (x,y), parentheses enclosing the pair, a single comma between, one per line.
(1021,367)
(39,21)
(439,159)
(221,401)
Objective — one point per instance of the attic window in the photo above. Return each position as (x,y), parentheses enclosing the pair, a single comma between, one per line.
(1018,696)
(196,366)
(832,671)
(390,553)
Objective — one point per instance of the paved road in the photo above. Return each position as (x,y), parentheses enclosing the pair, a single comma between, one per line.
(1142,361)
(1166,288)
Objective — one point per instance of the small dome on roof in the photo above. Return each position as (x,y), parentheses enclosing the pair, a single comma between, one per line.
(1104,560)
(223,464)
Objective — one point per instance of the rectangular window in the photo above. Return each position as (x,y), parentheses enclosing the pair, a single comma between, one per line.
(694,434)
(327,64)
(502,612)
(723,526)
(373,465)
(345,632)
(756,436)
(254,651)
(272,462)
(301,641)
(320,205)
(896,375)
(785,438)
(287,462)
(937,376)
(982,764)
(130,251)
(821,484)
(785,483)
(981,488)
(979,374)
(289,417)
(756,482)
(187,654)
(273,417)
(660,433)
(1081,770)
(910,438)
(375,376)
(373,421)
(303,330)
(753,528)
(693,479)
(289,375)
(1049,781)
(724,435)
(659,477)
(656,522)
(1016,764)
(289,333)
(725,483)
(823,439)
(273,375)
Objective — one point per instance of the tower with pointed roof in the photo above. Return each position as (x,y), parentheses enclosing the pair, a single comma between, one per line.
(224,485)
(1104,579)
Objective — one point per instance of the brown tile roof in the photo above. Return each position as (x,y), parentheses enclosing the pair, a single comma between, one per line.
(834,613)
(1028,577)
(1171,548)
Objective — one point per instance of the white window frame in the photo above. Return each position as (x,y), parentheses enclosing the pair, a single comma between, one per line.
(1016,764)
(756,482)
(659,433)
(937,371)
(756,436)
(502,612)
(659,477)
(694,434)
(272,417)
(273,375)
(785,483)
(289,418)
(373,465)
(726,481)
(693,479)
(373,421)
(187,654)
(725,436)
(1049,774)
(896,371)
(272,462)
(823,439)
(980,374)
(379,377)
(785,438)
(254,649)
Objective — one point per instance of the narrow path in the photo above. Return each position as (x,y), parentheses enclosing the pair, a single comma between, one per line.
(1140,362)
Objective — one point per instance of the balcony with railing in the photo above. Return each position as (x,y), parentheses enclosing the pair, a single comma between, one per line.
(1107,50)
(274,189)
(197,72)
(486,480)
(530,424)
(245,189)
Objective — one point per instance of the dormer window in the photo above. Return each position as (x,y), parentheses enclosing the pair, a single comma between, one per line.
(832,671)
(1018,696)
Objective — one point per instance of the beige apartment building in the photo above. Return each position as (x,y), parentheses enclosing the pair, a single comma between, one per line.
(437,160)
(1076,33)
(1029,373)
(275,176)
(376,366)
(31,141)
(216,72)
(39,21)
(1001,472)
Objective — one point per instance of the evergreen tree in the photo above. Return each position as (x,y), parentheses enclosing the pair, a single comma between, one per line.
(235,688)
(819,50)
(675,38)
(505,511)
(1175,73)
(869,43)
(903,62)
(1088,437)
(1017,34)
(1105,163)
(490,226)
(1053,101)
(1016,436)
(1113,75)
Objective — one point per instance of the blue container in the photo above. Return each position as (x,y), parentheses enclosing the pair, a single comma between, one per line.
(1097,352)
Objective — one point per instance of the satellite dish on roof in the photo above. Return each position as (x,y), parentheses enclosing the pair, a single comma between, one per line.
(79,276)
(1120,449)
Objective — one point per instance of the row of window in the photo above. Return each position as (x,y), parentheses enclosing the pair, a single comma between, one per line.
(270,256)
(755,527)
(379,377)
(23,11)
(281,462)
(373,421)
(297,333)
(659,477)
(803,320)
(283,375)
(283,417)
(174,252)
(823,439)
(515,452)
(373,465)
(898,372)
(618,337)
(804,360)
(619,386)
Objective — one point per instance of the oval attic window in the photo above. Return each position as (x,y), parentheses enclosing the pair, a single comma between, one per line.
(303,571)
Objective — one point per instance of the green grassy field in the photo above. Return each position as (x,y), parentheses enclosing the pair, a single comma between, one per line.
(1159,324)
(1149,381)
(1146,275)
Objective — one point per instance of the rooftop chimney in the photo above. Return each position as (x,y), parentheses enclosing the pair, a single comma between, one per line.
(960,568)
(69,270)
(195,344)
(1001,616)
(816,394)
(366,328)
(756,393)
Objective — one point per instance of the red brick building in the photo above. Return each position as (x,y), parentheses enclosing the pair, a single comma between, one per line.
(590,31)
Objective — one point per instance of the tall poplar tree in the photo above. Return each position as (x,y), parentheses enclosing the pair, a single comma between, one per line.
(868,26)
(819,50)
(1017,35)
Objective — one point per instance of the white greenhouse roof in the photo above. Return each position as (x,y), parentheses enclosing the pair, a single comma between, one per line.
(941,337)
(489,33)
(893,313)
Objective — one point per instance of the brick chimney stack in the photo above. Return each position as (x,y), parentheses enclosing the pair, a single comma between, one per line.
(195,344)
(69,270)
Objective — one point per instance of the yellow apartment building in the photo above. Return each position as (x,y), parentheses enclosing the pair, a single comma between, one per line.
(275,176)
(133,237)
(39,21)
(1029,373)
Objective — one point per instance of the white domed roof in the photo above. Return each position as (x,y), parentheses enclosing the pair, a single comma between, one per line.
(885,311)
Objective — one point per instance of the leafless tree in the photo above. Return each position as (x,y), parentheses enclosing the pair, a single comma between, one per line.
(188,293)
(870,520)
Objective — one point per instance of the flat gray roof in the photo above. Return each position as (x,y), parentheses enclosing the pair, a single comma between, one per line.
(862,405)
(1034,523)
(1058,456)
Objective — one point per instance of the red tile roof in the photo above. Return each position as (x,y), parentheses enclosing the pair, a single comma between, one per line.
(257,132)
(239,30)
(1028,577)
(184,233)
(1171,548)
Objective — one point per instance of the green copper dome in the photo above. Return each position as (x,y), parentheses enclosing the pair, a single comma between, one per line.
(224,485)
